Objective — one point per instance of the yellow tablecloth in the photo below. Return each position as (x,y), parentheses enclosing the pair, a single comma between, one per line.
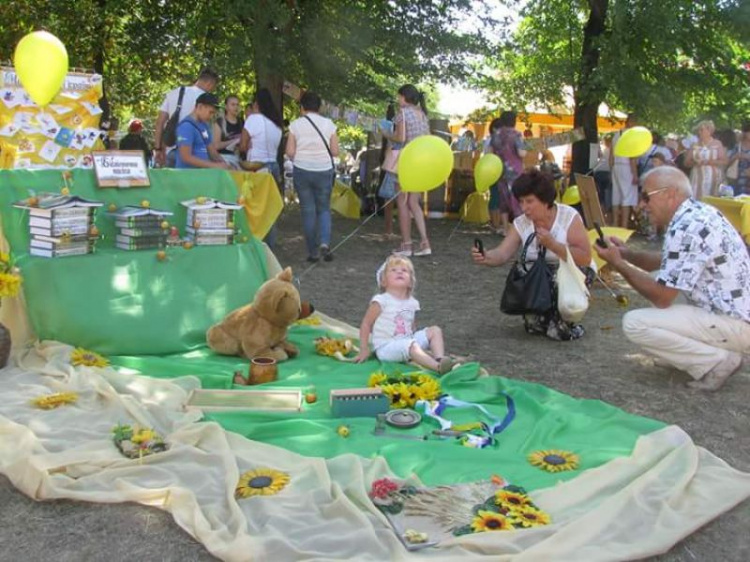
(262,200)
(737,212)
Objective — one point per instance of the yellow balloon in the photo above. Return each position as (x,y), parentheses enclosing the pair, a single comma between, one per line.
(488,170)
(634,142)
(41,63)
(424,164)
(571,196)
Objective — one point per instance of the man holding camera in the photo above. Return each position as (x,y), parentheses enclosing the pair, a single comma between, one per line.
(704,260)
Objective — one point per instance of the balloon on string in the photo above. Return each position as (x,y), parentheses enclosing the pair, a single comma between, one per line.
(41,63)
(424,164)
(487,171)
(571,196)
(634,142)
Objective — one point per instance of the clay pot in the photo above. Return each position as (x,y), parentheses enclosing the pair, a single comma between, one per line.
(263,369)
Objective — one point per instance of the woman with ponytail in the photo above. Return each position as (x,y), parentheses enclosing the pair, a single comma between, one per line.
(411,122)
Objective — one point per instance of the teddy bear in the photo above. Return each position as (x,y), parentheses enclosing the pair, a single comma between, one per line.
(259,329)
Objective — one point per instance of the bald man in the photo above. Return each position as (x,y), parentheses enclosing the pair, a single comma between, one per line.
(703,259)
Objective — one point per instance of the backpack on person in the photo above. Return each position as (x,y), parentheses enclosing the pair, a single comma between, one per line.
(169,137)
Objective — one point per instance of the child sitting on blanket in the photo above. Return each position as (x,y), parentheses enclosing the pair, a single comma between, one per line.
(390,320)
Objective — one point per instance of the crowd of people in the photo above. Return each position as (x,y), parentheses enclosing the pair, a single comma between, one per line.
(698,284)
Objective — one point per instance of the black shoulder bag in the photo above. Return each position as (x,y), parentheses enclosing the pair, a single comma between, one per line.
(169,137)
(528,290)
(328,149)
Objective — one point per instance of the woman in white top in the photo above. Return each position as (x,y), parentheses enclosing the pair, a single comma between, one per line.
(312,146)
(261,136)
(557,228)
(707,158)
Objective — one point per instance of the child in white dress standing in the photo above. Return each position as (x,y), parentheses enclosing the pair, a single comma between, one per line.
(389,323)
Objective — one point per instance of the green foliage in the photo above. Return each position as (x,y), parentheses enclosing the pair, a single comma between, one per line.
(671,61)
(353,52)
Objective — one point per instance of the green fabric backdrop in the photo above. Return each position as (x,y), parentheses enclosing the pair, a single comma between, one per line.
(128,302)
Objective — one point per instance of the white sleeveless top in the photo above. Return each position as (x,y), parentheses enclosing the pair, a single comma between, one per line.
(525,228)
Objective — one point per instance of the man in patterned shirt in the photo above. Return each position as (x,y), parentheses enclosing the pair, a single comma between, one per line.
(703,259)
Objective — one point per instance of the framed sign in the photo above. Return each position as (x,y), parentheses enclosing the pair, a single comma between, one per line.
(121,168)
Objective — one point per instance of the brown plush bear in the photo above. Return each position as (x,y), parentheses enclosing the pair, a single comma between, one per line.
(259,329)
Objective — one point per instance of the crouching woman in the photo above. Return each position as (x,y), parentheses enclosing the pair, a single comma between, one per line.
(549,227)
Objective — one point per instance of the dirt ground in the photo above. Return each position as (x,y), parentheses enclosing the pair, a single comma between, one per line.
(464,301)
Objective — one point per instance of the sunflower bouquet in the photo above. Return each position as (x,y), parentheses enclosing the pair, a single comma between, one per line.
(404,391)
(507,509)
(10,278)
(136,442)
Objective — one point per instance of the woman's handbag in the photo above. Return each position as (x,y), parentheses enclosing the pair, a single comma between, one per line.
(528,291)
(572,294)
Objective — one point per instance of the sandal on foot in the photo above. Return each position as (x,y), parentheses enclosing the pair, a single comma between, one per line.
(403,250)
(424,250)
(445,365)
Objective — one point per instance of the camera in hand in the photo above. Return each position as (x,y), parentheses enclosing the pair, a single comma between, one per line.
(479,245)
(601,242)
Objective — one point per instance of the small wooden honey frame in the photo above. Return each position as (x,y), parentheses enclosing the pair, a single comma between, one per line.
(358,403)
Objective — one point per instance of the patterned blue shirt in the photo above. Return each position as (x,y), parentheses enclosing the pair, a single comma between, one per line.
(705,258)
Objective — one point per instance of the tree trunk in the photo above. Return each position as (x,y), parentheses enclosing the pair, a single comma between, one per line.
(99,56)
(589,95)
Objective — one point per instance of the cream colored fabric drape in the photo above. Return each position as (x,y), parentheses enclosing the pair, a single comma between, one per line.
(629,508)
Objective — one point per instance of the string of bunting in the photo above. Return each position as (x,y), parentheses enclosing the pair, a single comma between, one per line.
(558,139)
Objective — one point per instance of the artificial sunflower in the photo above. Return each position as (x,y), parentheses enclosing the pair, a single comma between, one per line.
(490,521)
(428,389)
(529,516)
(554,460)
(511,500)
(87,358)
(52,401)
(399,394)
(377,379)
(261,482)
(309,321)
(10,284)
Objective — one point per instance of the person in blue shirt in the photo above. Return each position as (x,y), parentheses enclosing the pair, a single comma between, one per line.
(194,148)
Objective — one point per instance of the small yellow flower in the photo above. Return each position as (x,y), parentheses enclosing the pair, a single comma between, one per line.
(554,460)
(428,388)
(399,394)
(55,400)
(261,482)
(10,284)
(143,436)
(377,379)
(529,516)
(490,521)
(87,358)
(511,500)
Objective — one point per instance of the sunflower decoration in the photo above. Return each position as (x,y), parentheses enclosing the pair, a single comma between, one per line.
(261,482)
(490,521)
(87,358)
(404,391)
(52,401)
(528,516)
(10,278)
(339,348)
(554,460)
(510,501)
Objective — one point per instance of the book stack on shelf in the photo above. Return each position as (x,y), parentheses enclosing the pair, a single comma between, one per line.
(60,225)
(140,228)
(210,222)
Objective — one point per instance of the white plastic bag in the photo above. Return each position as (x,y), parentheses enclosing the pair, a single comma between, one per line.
(572,294)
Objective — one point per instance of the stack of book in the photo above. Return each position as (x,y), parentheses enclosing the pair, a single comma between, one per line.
(140,228)
(210,222)
(60,225)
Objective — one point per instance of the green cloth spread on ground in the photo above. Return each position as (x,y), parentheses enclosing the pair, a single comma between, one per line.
(128,302)
(545,419)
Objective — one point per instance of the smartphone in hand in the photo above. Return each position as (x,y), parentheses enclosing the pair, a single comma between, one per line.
(479,245)
(601,242)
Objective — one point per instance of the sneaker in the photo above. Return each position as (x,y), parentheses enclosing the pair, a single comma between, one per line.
(325,251)
(313,259)
(716,377)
